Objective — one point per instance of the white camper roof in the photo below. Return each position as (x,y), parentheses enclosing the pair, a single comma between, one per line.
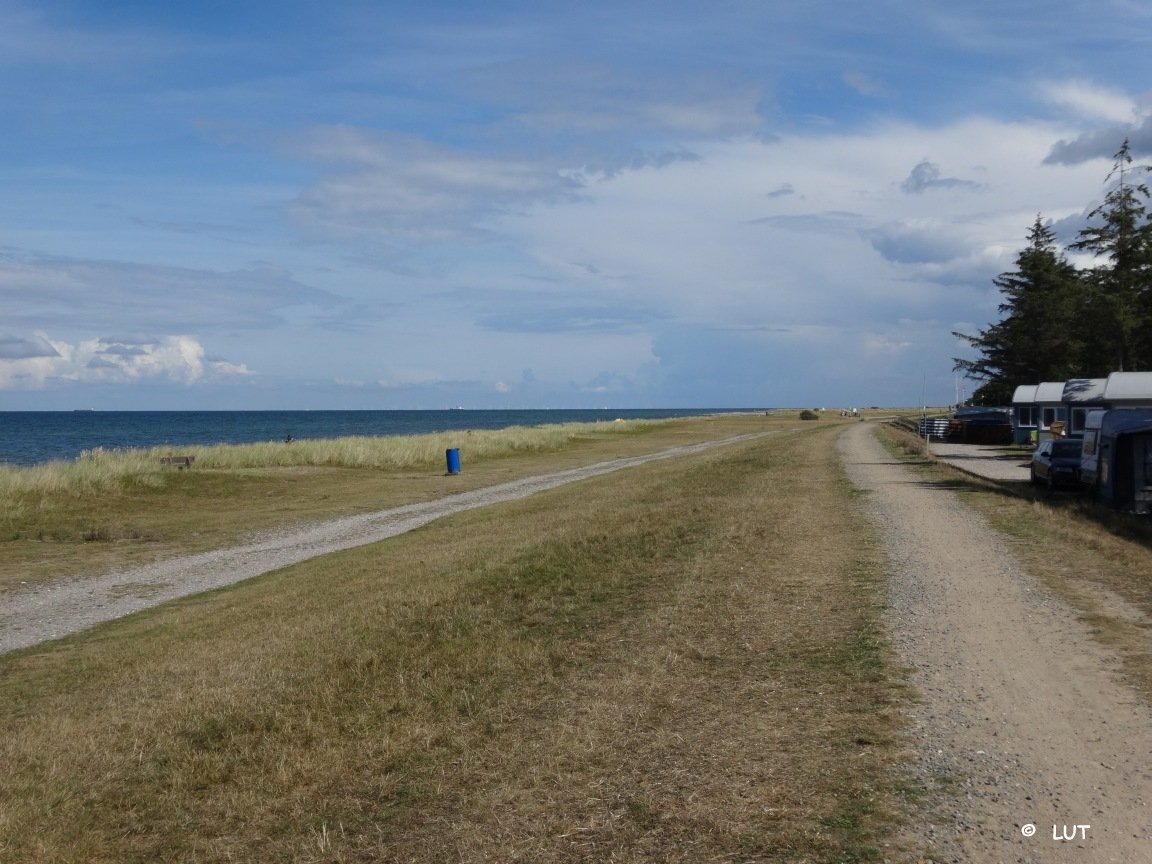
(1084,389)
(1025,394)
(1129,386)
(1050,391)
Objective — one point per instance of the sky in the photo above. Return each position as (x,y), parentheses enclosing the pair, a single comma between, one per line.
(392,204)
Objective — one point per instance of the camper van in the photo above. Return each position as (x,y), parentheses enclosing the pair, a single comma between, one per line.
(1116,457)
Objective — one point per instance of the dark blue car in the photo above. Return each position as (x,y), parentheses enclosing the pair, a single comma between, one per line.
(1056,463)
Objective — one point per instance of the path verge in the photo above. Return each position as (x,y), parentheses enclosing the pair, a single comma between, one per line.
(1023,724)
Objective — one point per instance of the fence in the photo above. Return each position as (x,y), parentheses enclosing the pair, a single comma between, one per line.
(937,427)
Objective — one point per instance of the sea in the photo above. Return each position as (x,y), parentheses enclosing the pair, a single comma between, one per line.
(34,437)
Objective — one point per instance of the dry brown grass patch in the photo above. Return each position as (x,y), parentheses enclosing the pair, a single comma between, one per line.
(46,534)
(678,663)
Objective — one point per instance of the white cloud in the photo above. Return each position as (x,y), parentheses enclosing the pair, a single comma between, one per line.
(927,175)
(1088,101)
(616,199)
(38,290)
(396,188)
(24,347)
(709,241)
(177,359)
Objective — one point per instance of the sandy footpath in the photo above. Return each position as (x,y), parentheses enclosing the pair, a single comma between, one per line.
(1023,731)
(34,615)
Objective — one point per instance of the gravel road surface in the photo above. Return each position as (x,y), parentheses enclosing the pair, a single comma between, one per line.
(984,461)
(1022,724)
(34,615)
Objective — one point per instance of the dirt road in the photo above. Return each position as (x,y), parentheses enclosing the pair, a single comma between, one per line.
(1031,747)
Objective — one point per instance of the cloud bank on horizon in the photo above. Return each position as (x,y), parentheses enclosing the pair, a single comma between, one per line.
(512,204)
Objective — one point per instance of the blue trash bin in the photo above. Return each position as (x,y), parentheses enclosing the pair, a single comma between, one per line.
(452,457)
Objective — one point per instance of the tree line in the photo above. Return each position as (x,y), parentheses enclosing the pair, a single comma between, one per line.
(1059,321)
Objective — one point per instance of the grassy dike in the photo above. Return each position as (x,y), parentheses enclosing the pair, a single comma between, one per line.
(679,662)
(113,509)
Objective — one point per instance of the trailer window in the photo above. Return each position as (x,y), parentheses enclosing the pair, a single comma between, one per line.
(1077,420)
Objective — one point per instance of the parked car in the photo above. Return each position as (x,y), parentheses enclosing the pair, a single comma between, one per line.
(1056,462)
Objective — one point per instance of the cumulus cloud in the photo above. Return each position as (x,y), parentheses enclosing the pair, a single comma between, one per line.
(926,175)
(1102,144)
(176,359)
(25,347)
(918,242)
(719,264)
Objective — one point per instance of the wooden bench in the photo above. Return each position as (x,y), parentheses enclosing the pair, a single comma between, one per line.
(180,462)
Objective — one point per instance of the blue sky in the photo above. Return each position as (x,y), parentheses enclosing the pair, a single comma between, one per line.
(624,204)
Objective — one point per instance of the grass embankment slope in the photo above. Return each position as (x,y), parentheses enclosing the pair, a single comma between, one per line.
(117,508)
(680,662)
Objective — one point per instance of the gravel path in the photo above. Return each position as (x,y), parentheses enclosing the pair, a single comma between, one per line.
(34,615)
(1022,723)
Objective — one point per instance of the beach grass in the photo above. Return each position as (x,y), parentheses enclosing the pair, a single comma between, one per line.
(681,662)
(102,470)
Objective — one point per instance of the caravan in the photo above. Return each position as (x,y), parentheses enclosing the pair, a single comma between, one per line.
(1116,457)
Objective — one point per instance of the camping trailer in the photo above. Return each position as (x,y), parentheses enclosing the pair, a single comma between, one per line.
(1116,457)
(1052,413)
(1024,408)
(1080,396)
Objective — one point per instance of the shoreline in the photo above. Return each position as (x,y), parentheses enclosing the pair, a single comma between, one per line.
(35,438)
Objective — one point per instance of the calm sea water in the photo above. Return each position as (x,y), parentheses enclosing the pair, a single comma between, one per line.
(32,437)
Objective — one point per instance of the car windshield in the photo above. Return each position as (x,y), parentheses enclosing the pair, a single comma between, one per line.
(1066,448)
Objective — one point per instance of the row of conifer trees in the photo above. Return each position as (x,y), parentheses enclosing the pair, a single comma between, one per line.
(1059,321)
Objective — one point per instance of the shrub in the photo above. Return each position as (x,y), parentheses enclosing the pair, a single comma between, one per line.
(809,415)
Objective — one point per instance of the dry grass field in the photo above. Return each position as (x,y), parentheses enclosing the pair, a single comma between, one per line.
(680,662)
(118,508)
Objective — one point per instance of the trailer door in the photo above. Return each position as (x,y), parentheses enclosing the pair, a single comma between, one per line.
(1142,457)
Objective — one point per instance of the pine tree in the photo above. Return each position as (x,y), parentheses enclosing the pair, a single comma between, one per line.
(1037,337)
(1121,286)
